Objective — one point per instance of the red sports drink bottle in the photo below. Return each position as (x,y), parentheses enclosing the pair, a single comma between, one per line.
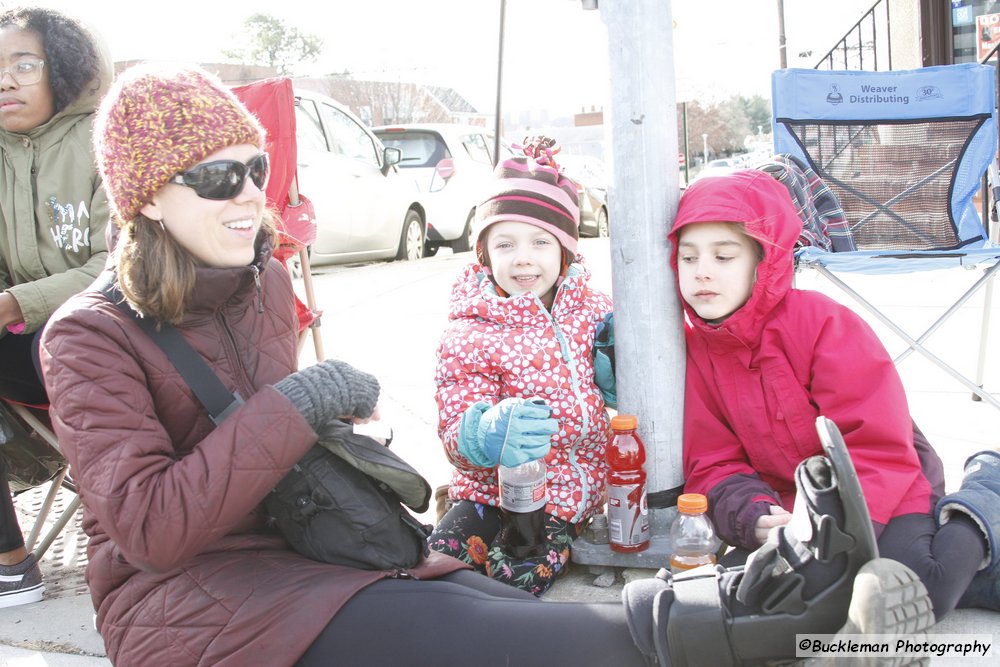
(628,519)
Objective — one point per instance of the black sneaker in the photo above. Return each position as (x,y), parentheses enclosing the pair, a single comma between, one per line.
(21,583)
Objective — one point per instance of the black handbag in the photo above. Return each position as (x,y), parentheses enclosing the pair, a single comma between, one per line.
(343,502)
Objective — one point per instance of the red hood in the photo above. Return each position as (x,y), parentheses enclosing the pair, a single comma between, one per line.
(765,208)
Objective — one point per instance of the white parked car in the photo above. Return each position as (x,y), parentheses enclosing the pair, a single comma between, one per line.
(452,166)
(718,167)
(365,209)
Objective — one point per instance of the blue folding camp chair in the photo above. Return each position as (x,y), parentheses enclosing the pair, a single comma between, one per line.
(904,151)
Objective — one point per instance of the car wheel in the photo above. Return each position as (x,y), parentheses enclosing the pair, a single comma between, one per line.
(603,229)
(294,264)
(411,241)
(465,242)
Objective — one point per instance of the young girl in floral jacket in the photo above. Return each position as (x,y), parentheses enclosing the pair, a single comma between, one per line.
(522,327)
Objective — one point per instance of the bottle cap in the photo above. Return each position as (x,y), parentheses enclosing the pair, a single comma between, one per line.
(692,502)
(623,422)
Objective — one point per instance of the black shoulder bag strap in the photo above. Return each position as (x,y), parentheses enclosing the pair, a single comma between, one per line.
(204,382)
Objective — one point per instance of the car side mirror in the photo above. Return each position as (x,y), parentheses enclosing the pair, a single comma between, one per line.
(390,158)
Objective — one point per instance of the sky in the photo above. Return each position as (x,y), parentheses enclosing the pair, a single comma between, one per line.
(555,53)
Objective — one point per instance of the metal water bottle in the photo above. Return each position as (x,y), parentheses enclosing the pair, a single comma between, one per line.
(523,496)
(628,514)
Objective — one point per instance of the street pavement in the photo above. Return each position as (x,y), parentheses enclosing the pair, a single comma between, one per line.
(386,318)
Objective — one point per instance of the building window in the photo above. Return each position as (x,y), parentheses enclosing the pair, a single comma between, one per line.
(975,30)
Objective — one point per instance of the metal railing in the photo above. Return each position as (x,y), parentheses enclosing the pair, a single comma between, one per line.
(992,55)
(868,36)
(871,38)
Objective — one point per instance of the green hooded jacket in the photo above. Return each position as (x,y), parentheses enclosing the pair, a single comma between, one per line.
(53,210)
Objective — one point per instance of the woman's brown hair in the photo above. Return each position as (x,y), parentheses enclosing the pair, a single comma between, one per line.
(155,273)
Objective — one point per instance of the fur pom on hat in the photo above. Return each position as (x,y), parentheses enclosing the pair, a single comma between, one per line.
(157,121)
(525,191)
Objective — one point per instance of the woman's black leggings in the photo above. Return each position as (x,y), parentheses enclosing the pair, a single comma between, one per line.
(20,376)
(10,531)
(466,618)
(21,380)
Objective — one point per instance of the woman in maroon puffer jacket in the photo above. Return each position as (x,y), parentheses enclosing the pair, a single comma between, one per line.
(182,569)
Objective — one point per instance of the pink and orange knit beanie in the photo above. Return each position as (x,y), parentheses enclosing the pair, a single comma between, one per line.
(157,121)
(525,191)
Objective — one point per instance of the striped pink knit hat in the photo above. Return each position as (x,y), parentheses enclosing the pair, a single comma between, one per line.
(525,191)
(158,120)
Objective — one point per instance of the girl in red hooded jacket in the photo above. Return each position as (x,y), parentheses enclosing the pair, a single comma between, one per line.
(764,360)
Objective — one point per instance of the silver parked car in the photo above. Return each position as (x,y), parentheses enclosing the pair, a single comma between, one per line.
(365,209)
(592,178)
(451,165)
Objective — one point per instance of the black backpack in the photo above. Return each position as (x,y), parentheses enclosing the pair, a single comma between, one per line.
(343,503)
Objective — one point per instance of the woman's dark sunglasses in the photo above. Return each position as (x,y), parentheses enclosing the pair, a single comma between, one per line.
(224,179)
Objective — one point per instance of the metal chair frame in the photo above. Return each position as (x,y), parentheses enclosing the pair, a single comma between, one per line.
(60,481)
(843,143)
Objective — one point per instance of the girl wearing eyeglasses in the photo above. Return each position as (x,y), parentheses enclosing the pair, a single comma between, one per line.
(53,216)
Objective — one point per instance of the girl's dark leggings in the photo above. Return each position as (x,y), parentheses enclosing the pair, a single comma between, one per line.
(945,559)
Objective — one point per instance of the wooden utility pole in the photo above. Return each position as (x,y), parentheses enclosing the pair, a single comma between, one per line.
(649,336)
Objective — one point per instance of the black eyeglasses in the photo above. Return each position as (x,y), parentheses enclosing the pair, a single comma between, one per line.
(224,179)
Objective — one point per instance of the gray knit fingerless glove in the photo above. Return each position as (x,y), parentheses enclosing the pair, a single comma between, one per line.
(330,389)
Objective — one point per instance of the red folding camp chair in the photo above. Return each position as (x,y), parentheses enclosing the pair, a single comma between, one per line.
(273,102)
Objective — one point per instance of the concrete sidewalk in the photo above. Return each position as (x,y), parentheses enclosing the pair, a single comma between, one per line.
(387,318)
